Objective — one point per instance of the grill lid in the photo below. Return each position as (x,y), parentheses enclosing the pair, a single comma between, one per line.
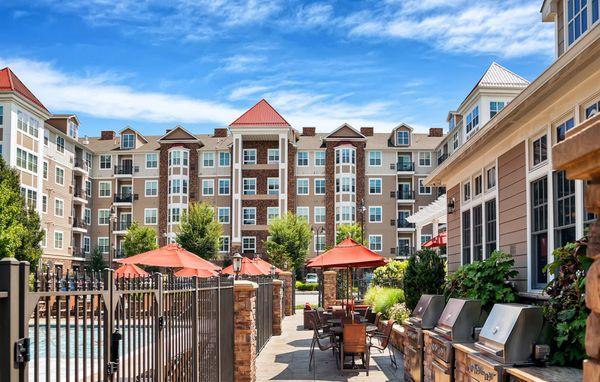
(428,310)
(458,319)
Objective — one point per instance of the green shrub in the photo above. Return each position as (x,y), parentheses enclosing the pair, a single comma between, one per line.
(565,310)
(424,275)
(371,294)
(306,286)
(485,280)
(399,312)
(391,274)
(382,300)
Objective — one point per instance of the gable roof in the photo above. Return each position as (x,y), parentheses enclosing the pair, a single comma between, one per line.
(178,134)
(261,114)
(498,76)
(129,128)
(345,131)
(10,82)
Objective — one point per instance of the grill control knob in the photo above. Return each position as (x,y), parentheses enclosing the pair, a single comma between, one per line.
(495,330)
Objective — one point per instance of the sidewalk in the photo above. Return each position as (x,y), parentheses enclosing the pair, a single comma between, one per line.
(285,358)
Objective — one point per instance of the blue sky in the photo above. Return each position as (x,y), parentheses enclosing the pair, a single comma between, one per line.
(200,63)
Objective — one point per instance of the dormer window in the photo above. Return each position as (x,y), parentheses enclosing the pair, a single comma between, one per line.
(402,137)
(73,130)
(495,107)
(577,18)
(473,119)
(128,141)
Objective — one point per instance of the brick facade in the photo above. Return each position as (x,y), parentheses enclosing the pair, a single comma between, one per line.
(244,342)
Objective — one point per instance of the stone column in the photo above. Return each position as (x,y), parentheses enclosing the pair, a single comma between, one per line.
(579,156)
(244,340)
(288,289)
(329,288)
(277,307)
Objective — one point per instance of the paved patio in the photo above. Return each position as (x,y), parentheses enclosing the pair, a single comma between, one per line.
(285,358)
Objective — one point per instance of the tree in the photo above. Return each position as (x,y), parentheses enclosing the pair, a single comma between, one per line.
(97,263)
(199,232)
(20,230)
(424,275)
(352,230)
(138,240)
(289,240)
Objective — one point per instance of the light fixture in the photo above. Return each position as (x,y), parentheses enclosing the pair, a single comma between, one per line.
(273,270)
(450,206)
(237,264)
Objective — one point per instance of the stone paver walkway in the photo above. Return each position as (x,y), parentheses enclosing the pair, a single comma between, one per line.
(285,358)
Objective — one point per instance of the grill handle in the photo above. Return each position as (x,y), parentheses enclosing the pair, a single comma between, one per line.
(489,349)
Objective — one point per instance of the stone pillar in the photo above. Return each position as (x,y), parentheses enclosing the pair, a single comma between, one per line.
(329,288)
(244,339)
(579,156)
(277,306)
(288,308)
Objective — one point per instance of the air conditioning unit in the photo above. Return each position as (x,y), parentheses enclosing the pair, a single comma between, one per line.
(136,196)
(392,222)
(392,194)
(392,166)
(392,251)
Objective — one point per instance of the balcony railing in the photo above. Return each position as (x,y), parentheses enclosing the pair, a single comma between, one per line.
(80,193)
(404,224)
(119,254)
(123,170)
(79,223)
(123,226)
(405,166)
(405,195)
(123,198)
(442,158)
(81,163)
(405,251)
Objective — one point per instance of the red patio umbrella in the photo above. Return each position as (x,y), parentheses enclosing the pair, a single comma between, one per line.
(439,241)
(130,270)
(265,265)
(249,268)
(170,256)
(347,254)
(200,273)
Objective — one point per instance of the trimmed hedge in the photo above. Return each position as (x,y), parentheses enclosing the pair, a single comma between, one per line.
(306,286)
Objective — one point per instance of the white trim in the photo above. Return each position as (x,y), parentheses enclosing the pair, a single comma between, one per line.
(146,210)
(146,161)
(63,207)
(207,181)
(62,240)
(380,184)
(244,209)
(307,186)
(100,189)
(304,208)
(375,221)
(228,215)
(369,152)
(214,159)
(228,187)
(228,243)
(146,189)
(315,186)
(371,242)
(249,237)
(269,161)
(422,180)
(98,216)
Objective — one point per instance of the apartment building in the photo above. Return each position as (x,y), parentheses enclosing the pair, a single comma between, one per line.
(502,190)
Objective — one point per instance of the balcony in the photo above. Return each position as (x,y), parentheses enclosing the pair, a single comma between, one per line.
(405,195)
(119,254)
(124,198)
(405,166)
(78,252)
(81,165)
(442,158)
(124,170)
(80,196)
(403,224)
(79,225)
(123,226)
(404,252)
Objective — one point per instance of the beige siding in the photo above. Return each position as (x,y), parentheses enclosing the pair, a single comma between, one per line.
(454,235)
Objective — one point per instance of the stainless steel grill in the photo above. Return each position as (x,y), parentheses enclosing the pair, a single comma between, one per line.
(427,311)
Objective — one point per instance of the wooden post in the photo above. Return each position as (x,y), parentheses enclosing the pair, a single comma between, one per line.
(579,156)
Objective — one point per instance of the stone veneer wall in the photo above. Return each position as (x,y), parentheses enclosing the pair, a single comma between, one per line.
(329,288)
(277,306)
(244,342)
(287,279)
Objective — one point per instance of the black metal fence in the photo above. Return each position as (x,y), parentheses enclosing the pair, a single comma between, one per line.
(264,311)
(93,327)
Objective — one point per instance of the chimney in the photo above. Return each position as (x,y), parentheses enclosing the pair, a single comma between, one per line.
(436,132)
(220,133)
(107,135)
(366,131)
(309,131)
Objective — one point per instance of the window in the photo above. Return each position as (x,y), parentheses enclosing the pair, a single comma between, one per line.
(60,144)
(45,204)
(174,215)
(44,242)
(539,232)
(59,207)
(45,170)
(303,187)
(540,153)
(562,129)
(478,185)
(345,155)
(424,158)
(495,107)
(88,188)
(224,186)
(223,215)
(320,244)
(273,156)
(319,158)
(103,244)
(60,176)
(303,212)
(46,137)
(87,216)
(320,186)
(345,213)
(224,159)
(348,184)
(490,226)
(473,119)
(27,161)
(105,162)
(491,177)
(30,197)
(272,213)
(1,114)
(402,222)
(466,237)
(467,191)
(208,187)
(273,186)
(175,158)
(249,186)
(152,160)
(319,215)
(375,214)
(477,233)
(402,137)
(425,238)
(375,243)
(87,244)
(375,186)
(455,141)
(151,216)
(248,244)
(374,158)
(577,18)
(249,156)
(58,240)
(128,141)
(224,244)
(208,159)
(423,190)
(88,160)
(151,188)
(249,215)
(104,189)
(103,217)
(302,158)
(564,209)
(592,110)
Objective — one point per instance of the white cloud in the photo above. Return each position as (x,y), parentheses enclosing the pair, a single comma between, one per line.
(243,63)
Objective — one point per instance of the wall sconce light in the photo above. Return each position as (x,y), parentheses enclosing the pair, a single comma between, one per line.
(450,206)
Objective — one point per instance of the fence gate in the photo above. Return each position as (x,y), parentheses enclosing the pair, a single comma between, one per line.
(92,327)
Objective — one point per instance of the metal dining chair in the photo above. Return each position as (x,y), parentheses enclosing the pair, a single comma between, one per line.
(324,340)
(355,343)
(384,341)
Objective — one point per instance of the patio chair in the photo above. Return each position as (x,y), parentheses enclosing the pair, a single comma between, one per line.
(384,341)
(355,343)
(339,313)
(323,325)
(327,338)
(376,324)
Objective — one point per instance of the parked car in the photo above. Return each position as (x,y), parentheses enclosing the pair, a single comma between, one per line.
(311,278)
